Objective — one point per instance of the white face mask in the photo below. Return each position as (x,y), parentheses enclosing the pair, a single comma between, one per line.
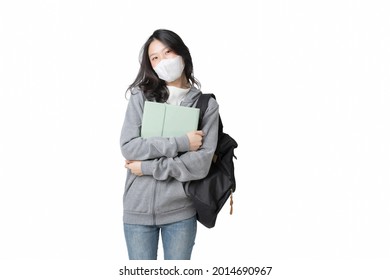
(170,69)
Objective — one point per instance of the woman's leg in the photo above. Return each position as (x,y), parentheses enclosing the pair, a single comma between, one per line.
(141,241)
(178,239)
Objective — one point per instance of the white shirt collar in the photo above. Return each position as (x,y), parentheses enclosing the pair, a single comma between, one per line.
(176,95)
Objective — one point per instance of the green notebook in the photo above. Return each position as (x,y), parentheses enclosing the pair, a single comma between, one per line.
(160,119)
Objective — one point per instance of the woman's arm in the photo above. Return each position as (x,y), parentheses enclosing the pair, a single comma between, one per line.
(134,147)
(195,139)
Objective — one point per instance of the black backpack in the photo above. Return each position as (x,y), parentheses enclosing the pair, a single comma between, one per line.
(210,193)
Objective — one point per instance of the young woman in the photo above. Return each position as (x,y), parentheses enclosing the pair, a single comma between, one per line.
(159,168)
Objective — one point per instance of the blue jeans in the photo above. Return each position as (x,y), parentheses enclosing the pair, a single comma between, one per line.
(178,239)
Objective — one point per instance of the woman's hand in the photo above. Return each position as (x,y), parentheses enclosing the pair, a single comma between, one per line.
(134,166)
(195,138)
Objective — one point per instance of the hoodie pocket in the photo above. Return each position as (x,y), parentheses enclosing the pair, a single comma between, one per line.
(138,197)
(171,196)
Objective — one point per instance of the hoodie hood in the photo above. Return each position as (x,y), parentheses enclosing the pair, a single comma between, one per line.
(189,100)
(191,97)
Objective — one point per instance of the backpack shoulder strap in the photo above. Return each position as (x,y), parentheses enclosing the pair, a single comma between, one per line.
(202,104)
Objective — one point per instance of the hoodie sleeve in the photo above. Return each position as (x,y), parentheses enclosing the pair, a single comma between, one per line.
(193,165)
(133,147)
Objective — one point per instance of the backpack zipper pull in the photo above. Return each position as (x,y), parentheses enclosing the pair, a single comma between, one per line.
(231,201)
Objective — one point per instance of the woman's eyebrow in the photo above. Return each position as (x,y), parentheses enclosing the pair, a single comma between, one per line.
(158,52)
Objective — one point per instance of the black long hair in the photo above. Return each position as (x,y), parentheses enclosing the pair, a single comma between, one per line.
(153,87)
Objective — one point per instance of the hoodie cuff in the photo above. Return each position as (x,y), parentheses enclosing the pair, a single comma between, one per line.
(147,167)
(183,144)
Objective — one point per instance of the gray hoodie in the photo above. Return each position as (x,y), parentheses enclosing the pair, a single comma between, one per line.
(158,197)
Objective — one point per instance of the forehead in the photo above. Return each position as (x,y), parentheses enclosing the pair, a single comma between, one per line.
(156,46)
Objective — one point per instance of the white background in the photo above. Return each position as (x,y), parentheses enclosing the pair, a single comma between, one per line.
(303,87)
